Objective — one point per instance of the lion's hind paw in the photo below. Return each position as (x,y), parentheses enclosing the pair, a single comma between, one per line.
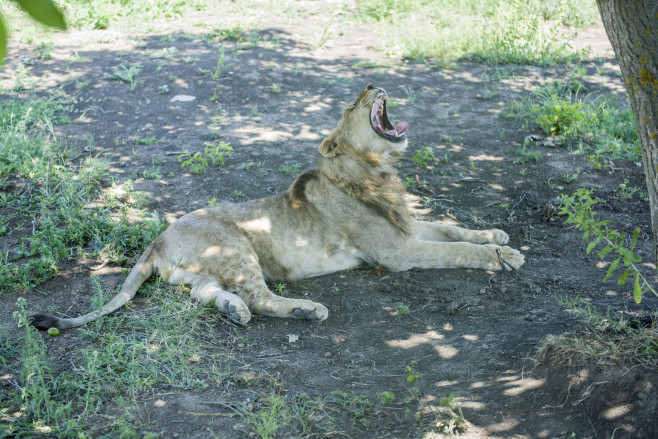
(237,313)
(319,313)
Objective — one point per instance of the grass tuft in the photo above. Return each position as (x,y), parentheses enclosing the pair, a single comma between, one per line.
(144,350)
(493,31)
(589,123)
(55,202)
(605,339)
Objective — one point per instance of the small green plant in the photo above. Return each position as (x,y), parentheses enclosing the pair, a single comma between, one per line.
(627,192)
(197,162)
(146,140)
(579,211)
(527,155)
(281,289)
(45,50)
(223,34)
(570,177)
(221,65)
(248,166)
(357,406)
(424,157)
(412,373)
(452,420)
(153,174)
(387,397)
(562,117)
(272,414)
(326,34)
(411,95)
(275,88)
(238,193)
(402,310)
(291,169)
(219,152)
(599,162)
(128,74)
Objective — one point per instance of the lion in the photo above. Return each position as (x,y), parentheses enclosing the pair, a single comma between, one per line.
(348,212)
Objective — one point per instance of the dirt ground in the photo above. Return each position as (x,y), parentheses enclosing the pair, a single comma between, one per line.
(471,333)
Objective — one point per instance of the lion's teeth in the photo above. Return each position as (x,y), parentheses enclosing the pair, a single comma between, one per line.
(395,133)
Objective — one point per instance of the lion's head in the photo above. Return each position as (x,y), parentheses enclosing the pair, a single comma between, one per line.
(365,127)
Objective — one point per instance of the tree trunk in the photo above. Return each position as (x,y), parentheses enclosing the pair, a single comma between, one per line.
(632,27)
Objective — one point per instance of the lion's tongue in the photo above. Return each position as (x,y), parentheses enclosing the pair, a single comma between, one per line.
(400,128)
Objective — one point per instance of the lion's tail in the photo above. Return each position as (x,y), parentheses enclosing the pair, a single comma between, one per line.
(140,272)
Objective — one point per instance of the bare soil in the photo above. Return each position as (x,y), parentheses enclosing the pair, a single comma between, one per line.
(472,333)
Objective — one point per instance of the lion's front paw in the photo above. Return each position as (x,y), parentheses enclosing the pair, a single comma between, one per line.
(496,236)
(313,311)
(509,258)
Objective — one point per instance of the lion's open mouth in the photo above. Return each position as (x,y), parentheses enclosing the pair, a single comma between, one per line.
(380,123)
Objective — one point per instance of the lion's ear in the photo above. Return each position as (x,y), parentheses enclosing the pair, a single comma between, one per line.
(329,147)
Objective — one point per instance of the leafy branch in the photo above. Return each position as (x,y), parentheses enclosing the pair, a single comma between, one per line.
(43,11)
(578,208)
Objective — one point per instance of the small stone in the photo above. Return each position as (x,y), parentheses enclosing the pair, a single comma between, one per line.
(182,98)
(327,355)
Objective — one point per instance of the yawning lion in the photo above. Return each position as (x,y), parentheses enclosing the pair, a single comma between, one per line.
(348,212)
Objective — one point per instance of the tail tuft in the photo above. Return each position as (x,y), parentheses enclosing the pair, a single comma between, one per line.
(44,321)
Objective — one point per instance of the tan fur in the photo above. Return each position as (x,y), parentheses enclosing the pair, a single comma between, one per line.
(349,212)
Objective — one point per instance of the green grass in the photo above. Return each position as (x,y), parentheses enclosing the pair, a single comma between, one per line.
(144,350)
(424,157)
(493,31)
(291,169)
(589,123)
(100,14)
(57,204)
(608,338)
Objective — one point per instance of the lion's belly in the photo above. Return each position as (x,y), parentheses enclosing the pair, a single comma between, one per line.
(304,260)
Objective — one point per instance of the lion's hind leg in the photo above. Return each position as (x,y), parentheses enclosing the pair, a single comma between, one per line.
(209,290)
(263,301)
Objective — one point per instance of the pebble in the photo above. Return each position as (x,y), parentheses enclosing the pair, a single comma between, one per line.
(182,98)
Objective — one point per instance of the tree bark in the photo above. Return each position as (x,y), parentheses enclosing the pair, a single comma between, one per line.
(632,27)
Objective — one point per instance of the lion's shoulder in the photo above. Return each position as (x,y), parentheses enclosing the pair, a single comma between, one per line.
(296,193)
